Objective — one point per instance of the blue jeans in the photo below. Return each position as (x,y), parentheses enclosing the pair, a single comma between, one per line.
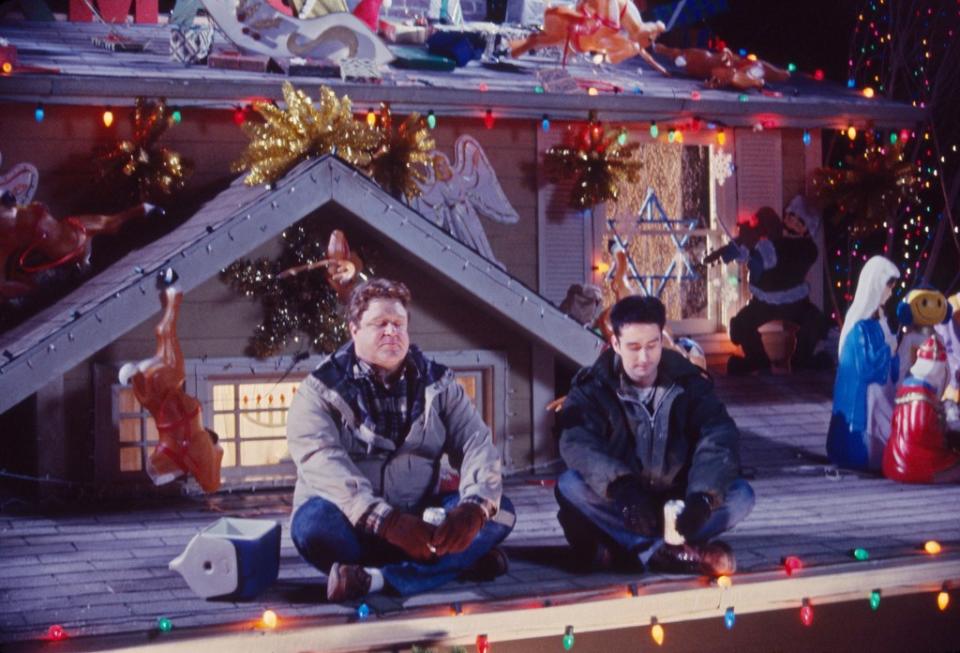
(323,535)
(588,518)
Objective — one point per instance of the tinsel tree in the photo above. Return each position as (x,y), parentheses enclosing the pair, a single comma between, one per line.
(299,308)
(404,157)
(869,188)
(599,160)
(301,130)
(145,170)
(909,51)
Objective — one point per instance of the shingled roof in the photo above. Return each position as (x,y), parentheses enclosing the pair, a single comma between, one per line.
(233,224)
(61,65)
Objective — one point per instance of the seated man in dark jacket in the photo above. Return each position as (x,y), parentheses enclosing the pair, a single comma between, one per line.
(367,430)
(640,427)
(778,262)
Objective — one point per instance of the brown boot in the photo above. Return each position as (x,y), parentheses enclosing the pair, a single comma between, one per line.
(346,583)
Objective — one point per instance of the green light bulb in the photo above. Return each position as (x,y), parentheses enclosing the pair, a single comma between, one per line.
(861,554)
(874,599)
(164,625)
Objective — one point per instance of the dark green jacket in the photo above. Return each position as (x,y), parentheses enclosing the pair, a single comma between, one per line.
(690,445)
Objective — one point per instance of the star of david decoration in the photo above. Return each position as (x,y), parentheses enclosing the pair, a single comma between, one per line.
(652,213)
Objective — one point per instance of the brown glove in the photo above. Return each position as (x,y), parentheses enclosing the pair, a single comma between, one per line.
(410,534)
(459,528)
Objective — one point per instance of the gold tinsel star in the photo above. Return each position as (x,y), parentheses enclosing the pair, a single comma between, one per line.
(405,155)
(287,137)
(600,161)
(869,188)
(150,171)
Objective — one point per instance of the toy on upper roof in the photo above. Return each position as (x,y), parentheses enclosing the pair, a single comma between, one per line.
(723,68)
(918,451)
(186,446)
(919,312)
(614,28)
(864,387)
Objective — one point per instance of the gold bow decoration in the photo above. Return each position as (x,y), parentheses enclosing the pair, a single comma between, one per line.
(302,130)
(600,161)
(405,155)
(397,159)
(150,171)
(869,187)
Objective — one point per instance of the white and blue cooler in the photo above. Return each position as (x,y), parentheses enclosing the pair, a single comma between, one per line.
(231,558)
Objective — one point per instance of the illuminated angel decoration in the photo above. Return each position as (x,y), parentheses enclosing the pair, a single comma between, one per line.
(455,197)
(20,181)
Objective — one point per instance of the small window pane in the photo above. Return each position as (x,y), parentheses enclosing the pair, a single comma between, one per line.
(127,401)
(225,424)
(130,429)
(223,397)
(229,454)
(263,423)
(469,383)
(264,452)
(131,459)
(152,434)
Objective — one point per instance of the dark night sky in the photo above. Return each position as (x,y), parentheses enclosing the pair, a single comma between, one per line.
(810,33)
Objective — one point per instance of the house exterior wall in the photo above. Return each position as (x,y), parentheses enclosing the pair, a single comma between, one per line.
(216,323)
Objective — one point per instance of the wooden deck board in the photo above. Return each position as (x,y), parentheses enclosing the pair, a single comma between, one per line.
(105,573)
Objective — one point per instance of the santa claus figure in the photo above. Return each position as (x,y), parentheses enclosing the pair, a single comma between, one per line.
(917,451)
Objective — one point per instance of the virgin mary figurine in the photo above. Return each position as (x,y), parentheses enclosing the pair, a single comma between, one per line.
(866,376)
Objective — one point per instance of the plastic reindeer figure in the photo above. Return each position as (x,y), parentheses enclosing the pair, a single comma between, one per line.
(611,27)
(723,68)
(185,445)
(33,241)
(341,267)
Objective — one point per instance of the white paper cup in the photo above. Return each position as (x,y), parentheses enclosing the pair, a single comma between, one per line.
(671,509)
(434,516)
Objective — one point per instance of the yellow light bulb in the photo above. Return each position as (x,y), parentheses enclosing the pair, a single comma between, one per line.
(943,600)
(371,118)
(852,132)
(868,92)
(107,118)
(592,91)
(725,582)
(657,634)
(269,619)
(7,67)
(932,547)
(603,267)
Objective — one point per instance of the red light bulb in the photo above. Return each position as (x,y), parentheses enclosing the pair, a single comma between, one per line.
(238,116)
(56,632)
(806,614)
(488,119)
(483,645)
(792,564)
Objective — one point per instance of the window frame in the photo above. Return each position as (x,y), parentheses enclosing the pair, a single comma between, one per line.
(201,375)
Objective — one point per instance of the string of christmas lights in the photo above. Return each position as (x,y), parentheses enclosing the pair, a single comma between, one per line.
(908,51)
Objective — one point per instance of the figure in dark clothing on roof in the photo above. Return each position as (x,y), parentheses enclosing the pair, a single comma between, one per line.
(641,429)
(778,256)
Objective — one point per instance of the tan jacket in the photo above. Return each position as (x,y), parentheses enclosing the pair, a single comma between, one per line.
(354,468)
